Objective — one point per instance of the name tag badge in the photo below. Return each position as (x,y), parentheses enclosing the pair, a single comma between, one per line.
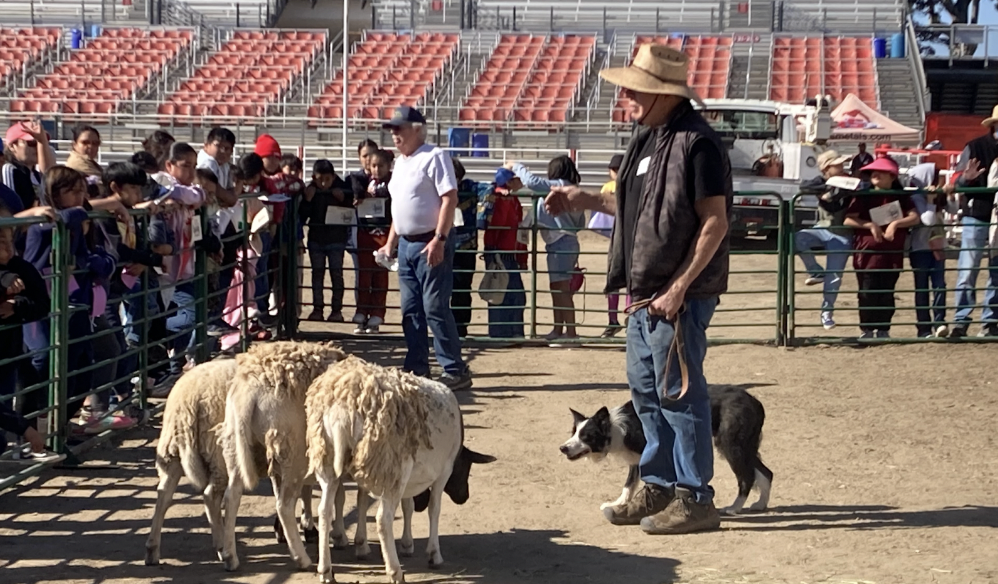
(339,216)
(643,165)
(523,236)
(458,218)
(371,208)
(886,214)
(196,228)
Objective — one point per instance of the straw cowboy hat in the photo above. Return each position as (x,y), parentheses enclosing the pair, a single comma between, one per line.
(993,119)
(655,69)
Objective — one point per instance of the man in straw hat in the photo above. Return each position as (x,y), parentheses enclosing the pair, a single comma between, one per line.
(828,234)
(975,161)
(669,248)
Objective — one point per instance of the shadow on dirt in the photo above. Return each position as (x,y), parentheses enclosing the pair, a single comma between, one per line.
(862,517)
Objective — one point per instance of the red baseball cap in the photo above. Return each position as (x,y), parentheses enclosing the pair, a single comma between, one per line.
(266,146)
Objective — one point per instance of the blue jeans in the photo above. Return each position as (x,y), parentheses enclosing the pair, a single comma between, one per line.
(319,256)
(182,322)
(678,449)
(139,307)
(506,319)
(837,247)
(973,242)
(426,303)
(927,268)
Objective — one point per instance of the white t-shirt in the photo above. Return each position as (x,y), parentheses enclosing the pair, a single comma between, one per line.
(205,160)
(418,182)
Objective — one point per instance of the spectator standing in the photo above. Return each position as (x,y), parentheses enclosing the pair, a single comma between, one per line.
(976,161)
(28,156)
(327,235)
(499,216)
(85,150)
(829,234)
(424,197)
(602,224)
(561,240)
(879,244)
(216,157)
(291,165)
(359,181)
(861,159)
(469,193)
(158,144)
(374,220)
(672,256)
(927,252)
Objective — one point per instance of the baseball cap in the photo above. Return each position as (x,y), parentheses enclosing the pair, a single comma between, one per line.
(404,115)
(266,146)
(503,176)
(17,132)
(616,161)
(883,164)
(830,158)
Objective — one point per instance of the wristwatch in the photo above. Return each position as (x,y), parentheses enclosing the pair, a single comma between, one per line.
(441,237)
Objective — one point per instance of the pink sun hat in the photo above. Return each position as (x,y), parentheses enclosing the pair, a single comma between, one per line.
(883,164)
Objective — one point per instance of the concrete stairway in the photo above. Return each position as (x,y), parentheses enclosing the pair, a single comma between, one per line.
(749,76)
(897,92)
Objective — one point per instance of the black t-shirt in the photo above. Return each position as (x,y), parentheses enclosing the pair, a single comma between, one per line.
(703,179)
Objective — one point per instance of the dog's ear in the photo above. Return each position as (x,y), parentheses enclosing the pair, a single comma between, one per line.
(577,418)
(602,419)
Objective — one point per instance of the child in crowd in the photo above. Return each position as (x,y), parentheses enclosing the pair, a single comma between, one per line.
(881,223)
(291,165)
(66,189)
(23,299)
(358,181)
(175,230)
(927,251)
(328,231)
(242,291)
(561,240)
(374,219)
(602,224)
(469,193)
(211,242)
(500,215)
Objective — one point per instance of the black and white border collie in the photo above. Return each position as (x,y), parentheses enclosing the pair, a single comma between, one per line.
(736,420)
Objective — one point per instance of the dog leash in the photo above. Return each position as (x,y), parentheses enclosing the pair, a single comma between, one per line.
(677,348)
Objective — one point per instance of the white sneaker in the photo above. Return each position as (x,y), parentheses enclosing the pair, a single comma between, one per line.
(812,280)
(942,331)
(372,330)
(375,322)
(359,319)
(827,321)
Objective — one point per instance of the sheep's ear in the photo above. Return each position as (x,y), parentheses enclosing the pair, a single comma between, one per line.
(478,458)
(577,417)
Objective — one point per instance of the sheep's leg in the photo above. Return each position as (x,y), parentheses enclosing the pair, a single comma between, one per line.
(169,477)
(213,510)
(433,542)
(406,546)
(233,494)
(340,540)
(386,516)
(287,493)
(330,487)
(307,522)
(362,549)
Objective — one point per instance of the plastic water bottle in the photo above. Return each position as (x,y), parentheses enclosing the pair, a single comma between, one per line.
(386,262)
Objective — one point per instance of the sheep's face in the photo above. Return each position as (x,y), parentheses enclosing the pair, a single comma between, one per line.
(457,485)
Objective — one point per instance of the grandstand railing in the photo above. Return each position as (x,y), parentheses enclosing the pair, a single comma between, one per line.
(80,13)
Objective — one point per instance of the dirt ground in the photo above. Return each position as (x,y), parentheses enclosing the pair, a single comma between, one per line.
(885,473)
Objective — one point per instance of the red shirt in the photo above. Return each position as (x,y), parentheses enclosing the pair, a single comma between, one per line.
(502,223)
(281,184)
(885,255)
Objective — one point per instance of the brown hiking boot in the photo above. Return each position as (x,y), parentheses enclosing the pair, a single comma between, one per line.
(649,500)
(683,515)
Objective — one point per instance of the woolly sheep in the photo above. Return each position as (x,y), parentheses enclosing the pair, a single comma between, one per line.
(396,434)
(188,445)
(264,432)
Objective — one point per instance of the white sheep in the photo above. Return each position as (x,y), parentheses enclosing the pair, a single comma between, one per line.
(264,432)
(397,435)
(188,445)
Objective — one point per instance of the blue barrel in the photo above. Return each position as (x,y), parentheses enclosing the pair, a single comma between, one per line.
(879,48)
(75,38)
(897,46)
(458,138)
(480,145)
(95,30)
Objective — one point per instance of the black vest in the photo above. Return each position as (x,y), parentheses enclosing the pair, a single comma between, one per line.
(985,150)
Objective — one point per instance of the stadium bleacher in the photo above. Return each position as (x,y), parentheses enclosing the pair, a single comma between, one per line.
(252,70)
(386,70)
(22,50)
(108,72)
(806,66)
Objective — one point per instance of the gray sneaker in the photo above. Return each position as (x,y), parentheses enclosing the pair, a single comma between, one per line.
(683,515)
(649,500)
(457,382)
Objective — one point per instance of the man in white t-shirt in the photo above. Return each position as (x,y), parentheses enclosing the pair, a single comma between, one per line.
(424,197)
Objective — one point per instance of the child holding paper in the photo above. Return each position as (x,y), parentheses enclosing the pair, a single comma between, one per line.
(374,218)
(881,223)
(327,209)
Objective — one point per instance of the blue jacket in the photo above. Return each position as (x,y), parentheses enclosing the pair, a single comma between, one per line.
(469,194)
